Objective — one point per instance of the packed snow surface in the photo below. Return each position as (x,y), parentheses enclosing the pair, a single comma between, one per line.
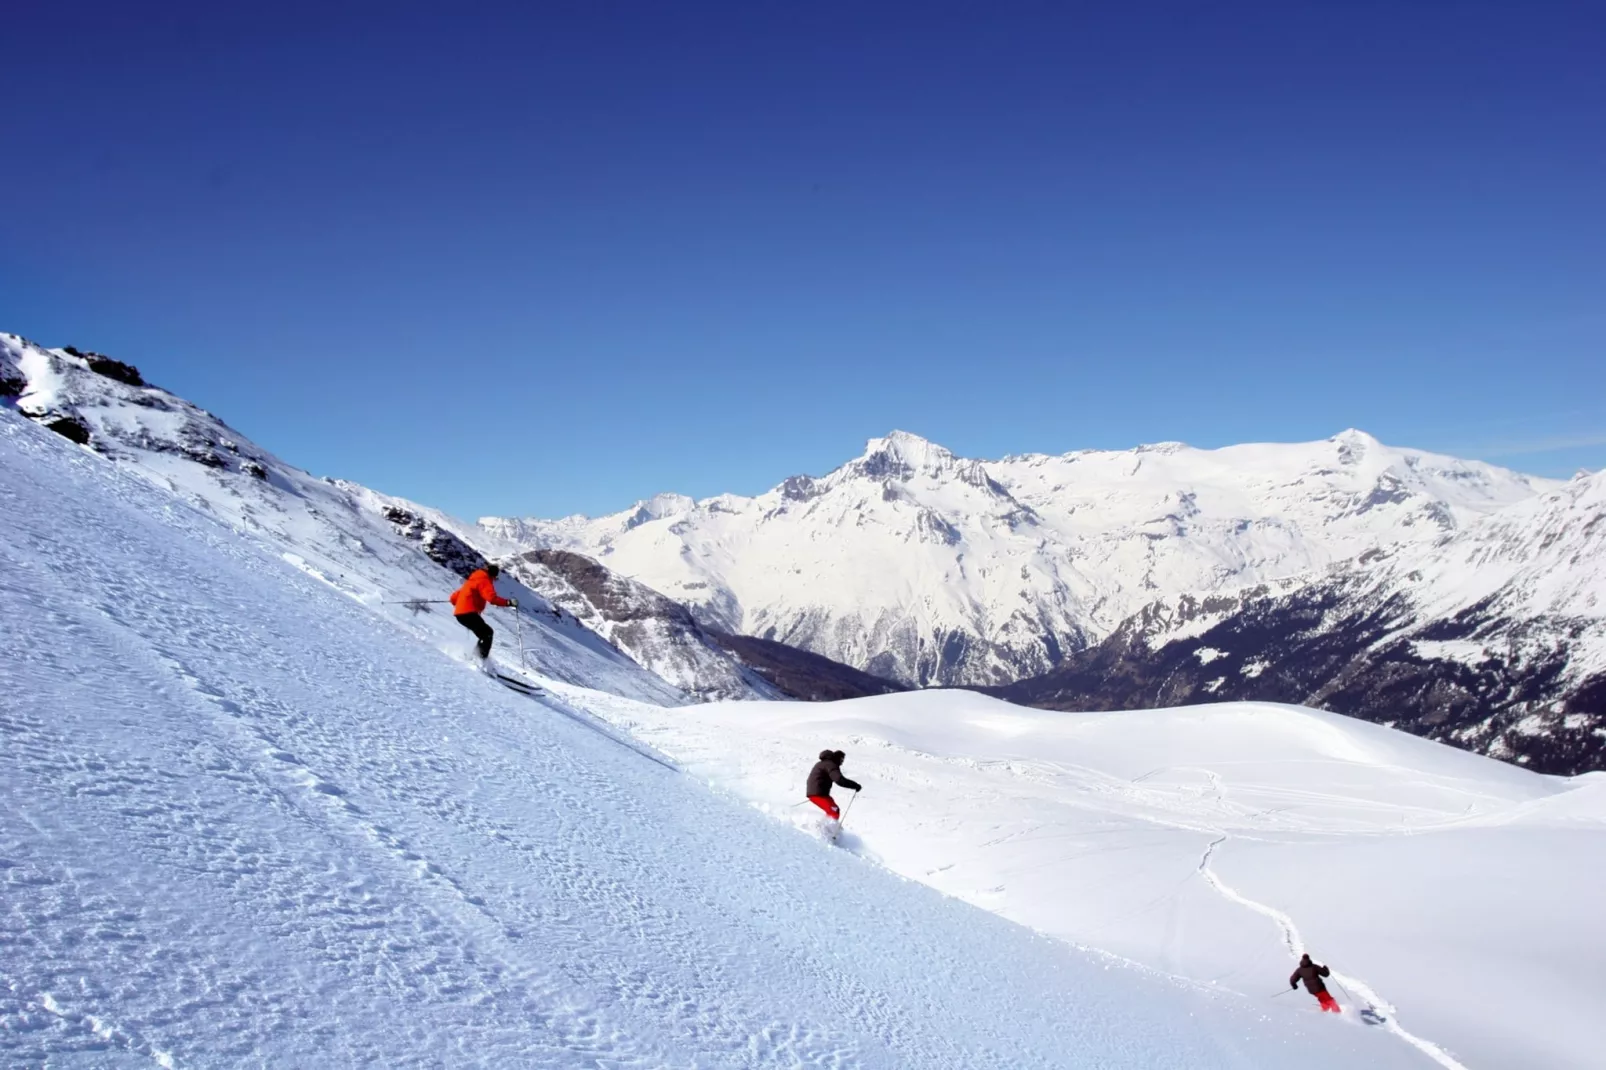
(248,819)
(1455,894)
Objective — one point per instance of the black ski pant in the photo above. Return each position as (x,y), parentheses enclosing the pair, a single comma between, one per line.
(476,624)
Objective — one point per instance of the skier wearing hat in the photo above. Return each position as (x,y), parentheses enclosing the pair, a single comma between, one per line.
(469,600)
(828,771)
(1312,973)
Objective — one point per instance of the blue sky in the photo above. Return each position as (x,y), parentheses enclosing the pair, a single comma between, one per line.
(556,257)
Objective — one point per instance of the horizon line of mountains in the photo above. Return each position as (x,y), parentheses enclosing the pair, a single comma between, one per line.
(1453,599)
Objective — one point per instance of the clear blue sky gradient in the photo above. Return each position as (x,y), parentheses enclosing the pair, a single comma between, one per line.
(557,257)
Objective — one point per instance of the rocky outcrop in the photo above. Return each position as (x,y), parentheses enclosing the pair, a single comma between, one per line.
(656,632)
(439,545)
(802,675)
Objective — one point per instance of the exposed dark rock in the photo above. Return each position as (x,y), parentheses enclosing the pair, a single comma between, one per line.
(800,488)
(1326,646)
(802,675)
(884,464)
(101,364)
(115,369)
(68,427)
(438,544)
(658,633)
(618,599)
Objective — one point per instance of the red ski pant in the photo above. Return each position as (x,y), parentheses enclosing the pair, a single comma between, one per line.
(1327,1001)
(824,803)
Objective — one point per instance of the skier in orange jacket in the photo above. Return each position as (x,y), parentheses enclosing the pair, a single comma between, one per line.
(469,600)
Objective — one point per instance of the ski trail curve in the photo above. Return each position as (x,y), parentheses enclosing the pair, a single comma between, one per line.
(1296,946)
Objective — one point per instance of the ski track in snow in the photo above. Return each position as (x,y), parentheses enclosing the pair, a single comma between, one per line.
(1296,947)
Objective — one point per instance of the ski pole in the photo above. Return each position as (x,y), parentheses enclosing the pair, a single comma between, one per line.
(519,619)
(846,808)
(1285,992)
(418,602)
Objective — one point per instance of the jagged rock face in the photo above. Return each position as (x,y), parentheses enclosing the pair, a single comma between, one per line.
(107,405)
(659,634)
(1493,640)
(914,564)
(439,545)
(101,364)
(12,381)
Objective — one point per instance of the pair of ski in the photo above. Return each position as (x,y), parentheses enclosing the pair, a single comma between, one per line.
(513,683)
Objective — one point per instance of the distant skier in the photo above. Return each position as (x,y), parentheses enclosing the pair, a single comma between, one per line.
(828,771)
(1312,975)
(469,600)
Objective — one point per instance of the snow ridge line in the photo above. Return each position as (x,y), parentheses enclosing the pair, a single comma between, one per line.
(1296,946)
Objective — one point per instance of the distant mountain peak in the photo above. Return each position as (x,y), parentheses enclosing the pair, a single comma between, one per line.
(901,455)
(1354,445)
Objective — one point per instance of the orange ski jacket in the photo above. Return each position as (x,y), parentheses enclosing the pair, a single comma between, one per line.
(472,596)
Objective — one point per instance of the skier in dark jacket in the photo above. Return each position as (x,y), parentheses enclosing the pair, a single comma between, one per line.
(1312,973)
(828,771)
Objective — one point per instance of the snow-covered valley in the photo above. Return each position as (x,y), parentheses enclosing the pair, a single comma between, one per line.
(254,817)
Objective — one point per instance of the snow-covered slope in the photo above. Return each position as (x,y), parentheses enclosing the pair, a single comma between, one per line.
(922,566)
(1217,842)
(247,819)
(374,546)
(1493,639)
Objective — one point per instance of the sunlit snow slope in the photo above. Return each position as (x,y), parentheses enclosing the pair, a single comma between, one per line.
(1458,894)
(375,547)
(246,820)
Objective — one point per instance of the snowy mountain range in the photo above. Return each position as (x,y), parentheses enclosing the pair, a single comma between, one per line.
(932,569)
(1493,639)
(1453,598)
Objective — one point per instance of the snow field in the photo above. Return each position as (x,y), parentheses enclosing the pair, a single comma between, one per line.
(248,820)
(1216,843)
